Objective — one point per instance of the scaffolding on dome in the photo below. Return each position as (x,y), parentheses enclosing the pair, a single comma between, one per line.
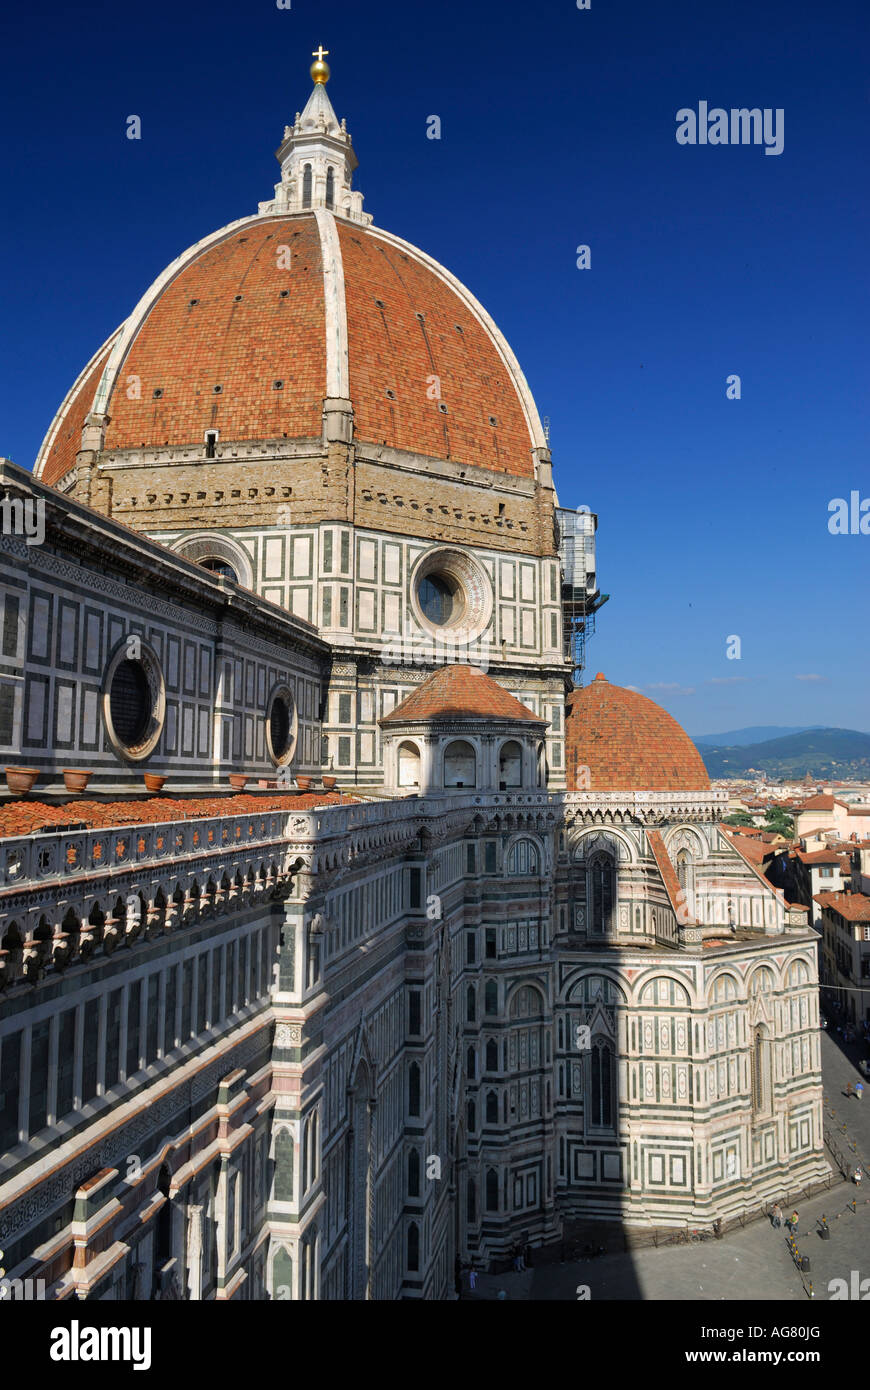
(581,598)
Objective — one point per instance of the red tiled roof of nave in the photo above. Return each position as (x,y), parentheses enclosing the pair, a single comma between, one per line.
(628,742)
(459,692)
(25,817)
(669,878)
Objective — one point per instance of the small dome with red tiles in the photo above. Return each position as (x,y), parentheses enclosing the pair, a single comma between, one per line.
(627,743)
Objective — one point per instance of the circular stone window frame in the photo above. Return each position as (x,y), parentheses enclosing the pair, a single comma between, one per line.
(209,545)
(148,659)
(282,691)
(469,575)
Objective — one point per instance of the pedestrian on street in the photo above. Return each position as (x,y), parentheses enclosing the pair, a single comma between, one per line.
(777,1216)
(472,1279)
(859,1089)
(794,1223)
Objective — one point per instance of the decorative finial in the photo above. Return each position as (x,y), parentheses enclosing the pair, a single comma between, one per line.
(320,70)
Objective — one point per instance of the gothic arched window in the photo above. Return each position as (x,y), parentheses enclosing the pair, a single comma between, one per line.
(491,1190)
(490,997)
(471,1202)
(491,1108)
(523,858)
(601,1085)
(413,1173)
(330,188)
(492,1055)
(470,1005)
(600,878)
(306,186)
(414,1089)
(413,1247)
(471,1063)
(760,1070)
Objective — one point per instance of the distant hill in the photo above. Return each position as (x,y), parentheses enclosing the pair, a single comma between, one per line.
(756,733)
(824,753)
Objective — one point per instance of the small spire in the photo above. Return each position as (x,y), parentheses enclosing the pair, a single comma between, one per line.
(317,158)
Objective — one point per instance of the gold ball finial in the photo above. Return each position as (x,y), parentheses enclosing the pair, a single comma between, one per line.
(319,70)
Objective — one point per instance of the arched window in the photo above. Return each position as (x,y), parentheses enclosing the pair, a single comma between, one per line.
(600,877)
(471,1116)
(413,1247)
(798,974)
(409,765)
(314,1147)
(510,766)
(490,997)
(523,858)
(471,1201)
(686,877)
(471,1061)
(306,186)
(542,765)
(492,1055)
(414,1089)
(470,1005)
(762,981)
(216,564)
(491,1190)
(601,1085)
(491,1108)
(460,765)
(413,1173)
(760,1070)
(330,188)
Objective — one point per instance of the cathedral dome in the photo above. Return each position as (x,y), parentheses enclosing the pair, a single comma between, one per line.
(251,330)
(628,743)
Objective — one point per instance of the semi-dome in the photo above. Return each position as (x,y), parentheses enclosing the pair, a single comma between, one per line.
(252,329)
(627,743)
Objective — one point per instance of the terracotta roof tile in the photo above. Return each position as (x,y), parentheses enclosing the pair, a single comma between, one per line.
(855,907)
(669,878)
(27,817)
(628,742)
(460,692)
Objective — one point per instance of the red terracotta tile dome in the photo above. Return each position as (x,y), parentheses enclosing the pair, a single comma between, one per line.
(249,331)
(628,743)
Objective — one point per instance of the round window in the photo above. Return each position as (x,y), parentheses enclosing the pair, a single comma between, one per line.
(134,699)
(441,599)
(129,702)
(281,725)
(449,590)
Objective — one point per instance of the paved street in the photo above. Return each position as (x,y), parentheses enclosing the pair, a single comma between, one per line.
(753,1263)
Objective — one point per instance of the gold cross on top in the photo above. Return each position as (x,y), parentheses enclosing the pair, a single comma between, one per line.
(320,52)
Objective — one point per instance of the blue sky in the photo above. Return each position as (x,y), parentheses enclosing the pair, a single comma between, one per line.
(558,129)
